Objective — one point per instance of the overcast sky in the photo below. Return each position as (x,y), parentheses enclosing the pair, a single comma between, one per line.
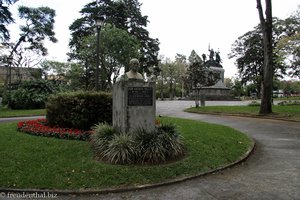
(180,26)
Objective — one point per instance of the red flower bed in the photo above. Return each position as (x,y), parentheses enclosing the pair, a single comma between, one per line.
(39,127)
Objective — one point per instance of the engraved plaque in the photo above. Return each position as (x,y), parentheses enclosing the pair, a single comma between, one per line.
(140,96)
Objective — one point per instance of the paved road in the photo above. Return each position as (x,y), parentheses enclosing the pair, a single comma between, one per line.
(272,172)
(16,119)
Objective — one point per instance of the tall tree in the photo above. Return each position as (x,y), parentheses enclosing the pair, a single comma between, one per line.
(289,43)
(5,18)
(165,77)
(39,25)
(249,53)
(267,84)
(117,48)
(181,66)
(124,14)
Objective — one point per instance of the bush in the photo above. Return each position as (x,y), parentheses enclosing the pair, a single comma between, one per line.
(289,103)
(80,110)
(121,149)
(140,146)
(103,133)
(1,89)
(30,94)
(159,146)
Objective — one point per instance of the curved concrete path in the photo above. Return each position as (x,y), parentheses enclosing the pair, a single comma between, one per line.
(272,172)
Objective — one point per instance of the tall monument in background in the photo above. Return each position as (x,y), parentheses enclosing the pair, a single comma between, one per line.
(218,91)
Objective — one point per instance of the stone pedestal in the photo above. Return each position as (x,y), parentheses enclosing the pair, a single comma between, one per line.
(217,91)
(134,105)
(220,83)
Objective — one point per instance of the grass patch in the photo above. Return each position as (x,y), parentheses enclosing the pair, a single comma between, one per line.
(37,162)
(286,98)
(291,112)
(6,112)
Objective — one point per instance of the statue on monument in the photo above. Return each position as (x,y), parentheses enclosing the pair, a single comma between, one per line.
(203,57)
(211,54)
(218,58)
(214,59)
(133,72)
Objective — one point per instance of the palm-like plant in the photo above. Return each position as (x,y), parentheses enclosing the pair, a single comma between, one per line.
(140,146)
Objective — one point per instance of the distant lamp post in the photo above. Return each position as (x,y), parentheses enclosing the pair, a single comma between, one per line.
(99,23)
(9,62)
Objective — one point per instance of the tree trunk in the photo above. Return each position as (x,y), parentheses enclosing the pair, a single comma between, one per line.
(197,93)
(267,82)
(162,88)
(171,90)
(10,61)
(203,97)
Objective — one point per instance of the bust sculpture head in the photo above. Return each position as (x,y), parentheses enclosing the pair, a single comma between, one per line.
(133,72)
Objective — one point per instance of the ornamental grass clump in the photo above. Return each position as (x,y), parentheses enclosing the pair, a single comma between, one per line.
(161,145)
(121,149)
(172,141)
(103,134)
(150,147)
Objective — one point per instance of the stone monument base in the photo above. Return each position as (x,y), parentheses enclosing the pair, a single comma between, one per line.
(134,105)
(218,91)
(215,93)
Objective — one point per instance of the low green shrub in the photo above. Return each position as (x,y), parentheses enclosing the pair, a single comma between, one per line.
(79,110)
(159,146)
(121,149)
(2,89)
(137,147)
(103,133)
(289,103)
(150,147)
(30,94)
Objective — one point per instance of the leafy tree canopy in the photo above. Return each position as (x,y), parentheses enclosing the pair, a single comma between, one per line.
(39,26)
(124,14)
(289,43)
(5,18)
(249,53)
(117,48)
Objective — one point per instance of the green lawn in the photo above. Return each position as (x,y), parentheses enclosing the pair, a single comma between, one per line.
(29,161)
(283,112)
(6,112)
(286,98)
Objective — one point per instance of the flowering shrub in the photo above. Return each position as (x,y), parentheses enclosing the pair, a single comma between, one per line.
(39,127)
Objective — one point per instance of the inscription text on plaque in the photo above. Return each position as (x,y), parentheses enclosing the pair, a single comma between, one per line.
(140,96)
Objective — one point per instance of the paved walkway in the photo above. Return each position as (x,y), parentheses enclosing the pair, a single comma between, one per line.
(272,172)
(16,119)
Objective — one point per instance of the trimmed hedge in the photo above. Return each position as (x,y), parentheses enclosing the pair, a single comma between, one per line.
(79,110)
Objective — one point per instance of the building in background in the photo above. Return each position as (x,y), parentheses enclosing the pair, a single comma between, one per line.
(20,74)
